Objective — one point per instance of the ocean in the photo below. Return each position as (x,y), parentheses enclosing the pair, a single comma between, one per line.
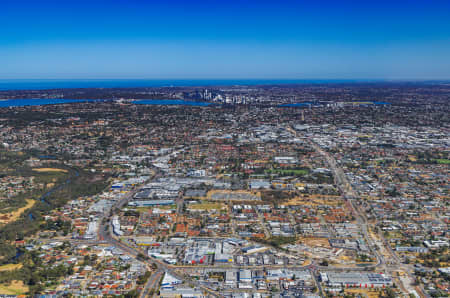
(61,84)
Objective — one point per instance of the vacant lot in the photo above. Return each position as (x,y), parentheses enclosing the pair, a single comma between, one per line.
(9,267)
(314,242)
(12,216)
(43,170)
(206,206)
(315,200)
(369,293)
(15,287)
(238,195)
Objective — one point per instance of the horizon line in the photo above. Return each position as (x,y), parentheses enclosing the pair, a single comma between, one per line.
(231,79)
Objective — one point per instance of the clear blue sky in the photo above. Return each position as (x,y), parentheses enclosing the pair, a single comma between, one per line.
(225,39)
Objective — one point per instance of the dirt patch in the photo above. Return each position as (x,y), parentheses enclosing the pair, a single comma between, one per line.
(9,267)
(42,170)
(12,216)
(15,287)
(315,242)
(316,200)
(277,196)
(370,293)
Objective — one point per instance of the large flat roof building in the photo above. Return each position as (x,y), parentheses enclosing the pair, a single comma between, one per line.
(358,279)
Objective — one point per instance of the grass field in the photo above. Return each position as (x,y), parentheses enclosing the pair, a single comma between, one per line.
(393,235)
(43,170)
(443,161)
(9,267)
(16,287)
(167,207)
(206,206)
(12,216)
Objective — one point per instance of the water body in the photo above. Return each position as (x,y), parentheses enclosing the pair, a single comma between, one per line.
(370,102)
(39,102)
(44,196)
(298,105)
(47,157)
(117,83)
(168,102)
(19,253)
(308,104)
(380,103)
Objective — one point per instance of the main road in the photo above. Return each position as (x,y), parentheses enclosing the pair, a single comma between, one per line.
(106,233)
(349,194)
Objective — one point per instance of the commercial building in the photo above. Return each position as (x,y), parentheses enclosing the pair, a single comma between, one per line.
(149,203)
(357,279)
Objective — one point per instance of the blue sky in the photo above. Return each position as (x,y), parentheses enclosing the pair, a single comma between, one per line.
(225,39)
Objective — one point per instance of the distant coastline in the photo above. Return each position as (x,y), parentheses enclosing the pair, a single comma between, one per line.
(38,84)
(23,102)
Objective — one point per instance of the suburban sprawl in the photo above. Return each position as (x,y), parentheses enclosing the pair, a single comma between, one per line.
(338,190)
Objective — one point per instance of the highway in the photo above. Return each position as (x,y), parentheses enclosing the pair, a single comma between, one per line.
(350,195)
(106,233)
(152,283)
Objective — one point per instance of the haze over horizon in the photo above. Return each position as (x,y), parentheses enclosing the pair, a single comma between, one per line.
(406,40)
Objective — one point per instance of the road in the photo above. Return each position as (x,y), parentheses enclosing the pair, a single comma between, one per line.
(106,233)
(152,283)
(106,236)
(350,195)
